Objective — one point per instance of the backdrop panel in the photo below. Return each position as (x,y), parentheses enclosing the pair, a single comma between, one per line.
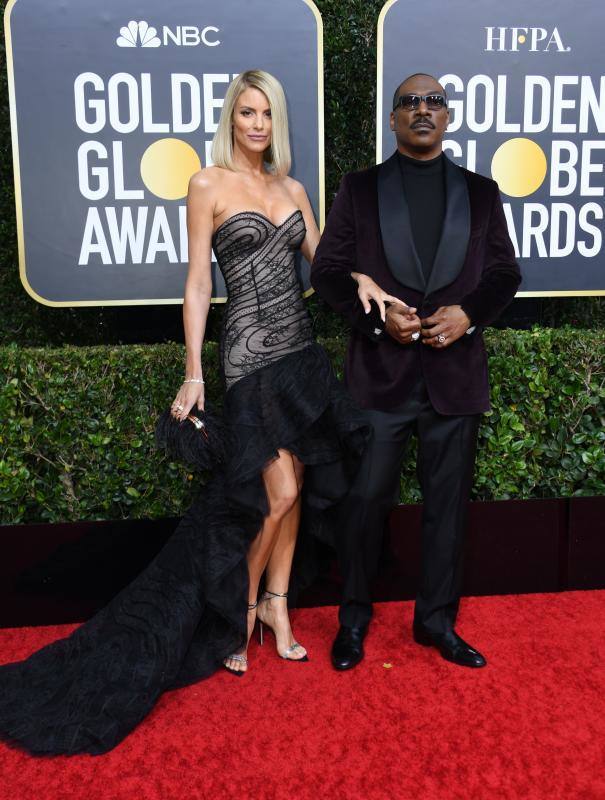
(527,103)
(113,107)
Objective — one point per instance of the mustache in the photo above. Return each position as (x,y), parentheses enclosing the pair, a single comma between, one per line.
(422,122)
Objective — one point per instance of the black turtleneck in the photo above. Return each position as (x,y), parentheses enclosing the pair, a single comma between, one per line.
(424,187)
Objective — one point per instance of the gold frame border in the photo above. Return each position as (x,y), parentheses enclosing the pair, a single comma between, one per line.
(563,293)
(17,173)
(320,121)
(379,112)
(379,76)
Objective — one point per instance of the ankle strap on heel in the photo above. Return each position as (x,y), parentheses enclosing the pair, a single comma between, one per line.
(273,594)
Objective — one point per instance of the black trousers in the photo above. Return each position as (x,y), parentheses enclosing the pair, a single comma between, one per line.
(446,460)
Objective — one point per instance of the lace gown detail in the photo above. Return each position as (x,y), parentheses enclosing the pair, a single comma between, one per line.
(186,611)
(265,317)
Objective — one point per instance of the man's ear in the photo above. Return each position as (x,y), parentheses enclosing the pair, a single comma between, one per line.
(392,121)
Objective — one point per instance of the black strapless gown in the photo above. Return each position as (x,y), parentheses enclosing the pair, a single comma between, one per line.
(177,621)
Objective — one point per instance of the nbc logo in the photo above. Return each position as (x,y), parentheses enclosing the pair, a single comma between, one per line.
(141,34)
(138,34)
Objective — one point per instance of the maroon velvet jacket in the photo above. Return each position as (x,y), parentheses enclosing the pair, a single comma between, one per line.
(368,230)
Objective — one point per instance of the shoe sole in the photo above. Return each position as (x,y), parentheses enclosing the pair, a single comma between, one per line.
(341,668)
(461,663)
(239,673)
(429,643)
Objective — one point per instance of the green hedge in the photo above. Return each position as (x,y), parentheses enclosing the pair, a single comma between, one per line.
(76,439)
(350,103)
(77,423)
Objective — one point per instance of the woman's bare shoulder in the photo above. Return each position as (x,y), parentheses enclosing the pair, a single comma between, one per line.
(294,188)
(297,192)
(209,178)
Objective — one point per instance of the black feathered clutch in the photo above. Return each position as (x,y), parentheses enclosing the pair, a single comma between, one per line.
(199,441)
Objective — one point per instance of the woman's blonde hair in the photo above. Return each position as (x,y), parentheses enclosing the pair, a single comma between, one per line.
(277,153)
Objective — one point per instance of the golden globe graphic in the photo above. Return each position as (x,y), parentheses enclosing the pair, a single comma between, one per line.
(519,167)
(107,137)
(166,167)
(527,108)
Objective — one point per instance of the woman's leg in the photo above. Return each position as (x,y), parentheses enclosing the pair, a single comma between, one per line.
(279,564)
(275,609)
(281,485)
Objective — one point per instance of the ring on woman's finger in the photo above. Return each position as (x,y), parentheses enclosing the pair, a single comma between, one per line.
(179,408)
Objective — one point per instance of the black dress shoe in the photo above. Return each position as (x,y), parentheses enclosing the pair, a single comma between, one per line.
(347,650)
(451,647)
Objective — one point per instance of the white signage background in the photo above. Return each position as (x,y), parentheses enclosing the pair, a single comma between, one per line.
(526,95)
(113,108)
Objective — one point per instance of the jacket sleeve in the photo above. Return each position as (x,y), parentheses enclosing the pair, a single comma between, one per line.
(335,259)
(501,275)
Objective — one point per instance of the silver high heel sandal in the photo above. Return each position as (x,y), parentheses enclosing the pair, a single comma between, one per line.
(267,595)
(240,657)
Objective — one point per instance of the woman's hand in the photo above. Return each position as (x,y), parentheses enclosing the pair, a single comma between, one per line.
(368,290)
(186,398)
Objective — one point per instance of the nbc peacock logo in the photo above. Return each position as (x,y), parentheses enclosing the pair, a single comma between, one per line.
(142,34)
(138,34)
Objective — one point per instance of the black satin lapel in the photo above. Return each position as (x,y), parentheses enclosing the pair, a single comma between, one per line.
(395,227)
(453,244)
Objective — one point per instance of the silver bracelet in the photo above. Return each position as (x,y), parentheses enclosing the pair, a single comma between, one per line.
(194,380)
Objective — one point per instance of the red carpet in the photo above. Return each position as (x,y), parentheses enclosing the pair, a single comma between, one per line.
(530,725)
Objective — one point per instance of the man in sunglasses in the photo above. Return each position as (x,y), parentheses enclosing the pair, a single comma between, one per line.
(434,235)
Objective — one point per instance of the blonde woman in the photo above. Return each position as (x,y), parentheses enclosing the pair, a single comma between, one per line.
(256,217)
(292,426)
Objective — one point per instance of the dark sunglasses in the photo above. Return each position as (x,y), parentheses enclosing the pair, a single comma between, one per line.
(410,102)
